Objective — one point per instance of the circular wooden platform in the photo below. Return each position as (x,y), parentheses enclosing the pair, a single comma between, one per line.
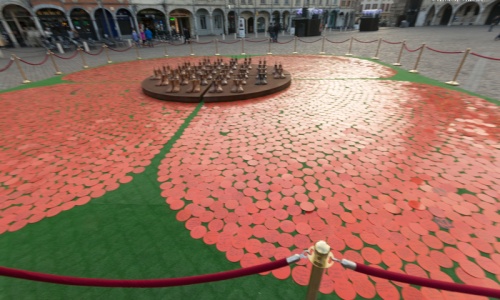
(251,90)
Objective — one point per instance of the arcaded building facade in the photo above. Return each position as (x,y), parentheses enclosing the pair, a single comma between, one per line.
(118,18)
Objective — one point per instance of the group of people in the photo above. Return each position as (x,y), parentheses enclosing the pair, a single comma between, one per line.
(273,31)
(143,38)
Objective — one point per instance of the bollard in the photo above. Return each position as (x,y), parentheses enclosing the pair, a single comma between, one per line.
(295,46)
(235,37)
(269,49)
(191,48)
(107,54)
(398,63)
(217,47)
(83,58)
(350,48)
(137,52)
(86,46)
(197,38)
(223,37)
(60,48)
(454,81)
(320,257)
(378,49)
(322,46)
(16,60)
(51,54)
(166,53)
(415,70)
(1,54)
(243,46)
(129,42)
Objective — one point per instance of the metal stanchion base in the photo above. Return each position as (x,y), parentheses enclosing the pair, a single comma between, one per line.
(26,81)
(58,73)
(109,61)
(348,54)
(295,52)
(192,54)
(396,64)
(322,52)
(269,53)
(217,54)
(139,57)
(243,53)
(85,67)
(413,71)
(166,55)
(375,58)
(452,83)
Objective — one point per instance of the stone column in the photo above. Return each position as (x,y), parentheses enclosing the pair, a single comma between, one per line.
(117,26)
(211,23)
(96,28)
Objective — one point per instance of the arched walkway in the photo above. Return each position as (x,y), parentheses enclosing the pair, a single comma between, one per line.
(125,21)
(430,15)
(83,23)
(18,21)
(444,15)
(105,23)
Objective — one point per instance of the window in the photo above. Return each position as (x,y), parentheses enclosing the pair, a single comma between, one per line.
(231,2)
(374,6)
(243,2)
(326,2)
(388,7)
(250,2)
(203,22)
(342,3)
(320,2)
(297,2)
(368,6)
(277,2)
(263,2)
(287,2)
(218,21)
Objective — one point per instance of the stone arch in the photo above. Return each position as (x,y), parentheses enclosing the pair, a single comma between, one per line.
(430,15)
(444,14)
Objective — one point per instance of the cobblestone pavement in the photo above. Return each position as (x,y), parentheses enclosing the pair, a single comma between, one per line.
(478,75)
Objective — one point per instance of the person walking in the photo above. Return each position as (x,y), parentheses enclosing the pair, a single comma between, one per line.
(135,38)
(277,28)
(270,30)
(143,37)
(149,37)
(187,36)
(494,22)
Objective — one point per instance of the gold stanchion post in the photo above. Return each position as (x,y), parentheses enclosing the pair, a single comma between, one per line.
(107,54)
(191,48)
(16,60)
(295,45)
(322,46)
(454,81)
(321,258)
(137,52)
(166,51)
(350,48)
(378,49)
(83,58)
(398,63)
(269,49)
(217,47)
(243,46)
(58,72)
(415,70)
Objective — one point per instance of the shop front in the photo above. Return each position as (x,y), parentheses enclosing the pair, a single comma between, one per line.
(83,24)
(20,21)
(55,20)
(152,19)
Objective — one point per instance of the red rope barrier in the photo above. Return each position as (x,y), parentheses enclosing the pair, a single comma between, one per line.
(7,66)
(309,42)
(70,57)
(337,42)
(409,50)
(445,52)
(392,43)
(365,42)
(229,42)
(124,50)
(482,56)
(257,41)
(36,64)
(142,283)
(437,284)
(202,43)
(282,43)
(99,52)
